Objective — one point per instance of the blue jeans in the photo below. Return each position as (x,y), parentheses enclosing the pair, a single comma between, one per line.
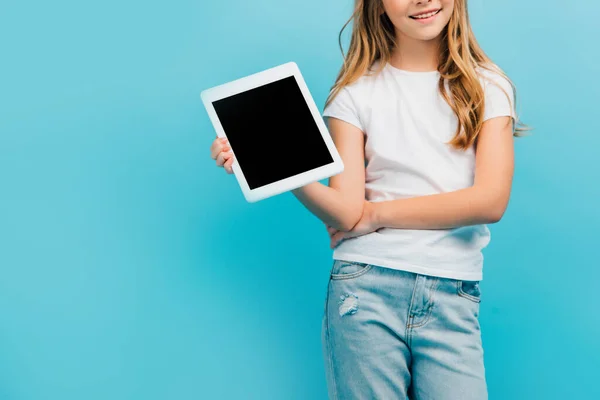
(389,334)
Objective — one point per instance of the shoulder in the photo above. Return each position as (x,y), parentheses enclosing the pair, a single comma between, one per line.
(347,103)
(367,79)
(492,78)
(498,91)
(358,91)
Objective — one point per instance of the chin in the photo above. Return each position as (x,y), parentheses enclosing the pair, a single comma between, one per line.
(427,36)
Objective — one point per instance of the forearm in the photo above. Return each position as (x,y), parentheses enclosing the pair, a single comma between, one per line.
(470,206)
(330,205)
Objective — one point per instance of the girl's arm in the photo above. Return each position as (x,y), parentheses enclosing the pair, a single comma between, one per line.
(482,203)
(340,204)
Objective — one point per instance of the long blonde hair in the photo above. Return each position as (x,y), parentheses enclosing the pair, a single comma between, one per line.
(373,39)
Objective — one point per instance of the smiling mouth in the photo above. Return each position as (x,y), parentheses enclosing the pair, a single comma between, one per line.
(425,16)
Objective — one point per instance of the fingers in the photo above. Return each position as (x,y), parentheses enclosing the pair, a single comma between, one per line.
(335,239)
(220,151)
(228,164)
(335,236)
(215,148)
(332,231)
(223,157)
(218,146)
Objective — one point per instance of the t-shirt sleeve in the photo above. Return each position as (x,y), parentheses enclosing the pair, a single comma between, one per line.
(343,106)
(499,97)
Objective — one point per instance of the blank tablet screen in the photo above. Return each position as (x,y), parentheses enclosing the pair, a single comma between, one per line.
(272,132)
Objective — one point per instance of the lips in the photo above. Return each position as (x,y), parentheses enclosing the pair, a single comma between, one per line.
(426,14)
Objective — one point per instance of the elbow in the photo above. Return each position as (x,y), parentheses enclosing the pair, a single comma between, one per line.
(494,213)
(493,217)
(493,204)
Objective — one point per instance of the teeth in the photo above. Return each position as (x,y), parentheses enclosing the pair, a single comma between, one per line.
(431,14)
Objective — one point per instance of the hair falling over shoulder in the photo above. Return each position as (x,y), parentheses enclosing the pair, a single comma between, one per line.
(373,39)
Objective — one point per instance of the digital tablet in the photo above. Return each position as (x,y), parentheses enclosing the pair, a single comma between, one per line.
(276,132)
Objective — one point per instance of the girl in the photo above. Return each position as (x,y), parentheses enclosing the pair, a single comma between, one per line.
(424,123)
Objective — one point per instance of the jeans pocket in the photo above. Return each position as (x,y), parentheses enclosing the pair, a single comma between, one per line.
(348,269)
(469,290)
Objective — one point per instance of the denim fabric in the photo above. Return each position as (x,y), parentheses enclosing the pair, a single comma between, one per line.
(389,334)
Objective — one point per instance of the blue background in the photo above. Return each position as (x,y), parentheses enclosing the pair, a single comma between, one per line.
(132,268)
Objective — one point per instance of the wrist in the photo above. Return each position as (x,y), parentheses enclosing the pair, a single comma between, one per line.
(374,210)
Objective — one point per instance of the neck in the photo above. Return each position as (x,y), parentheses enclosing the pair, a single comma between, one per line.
(416,55)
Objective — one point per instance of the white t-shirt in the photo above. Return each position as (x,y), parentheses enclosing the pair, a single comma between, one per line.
(407,123)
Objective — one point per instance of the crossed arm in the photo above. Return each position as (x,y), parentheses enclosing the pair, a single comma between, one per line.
(341,205)
(482,203)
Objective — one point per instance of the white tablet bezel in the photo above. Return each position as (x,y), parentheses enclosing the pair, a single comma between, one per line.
(255,80)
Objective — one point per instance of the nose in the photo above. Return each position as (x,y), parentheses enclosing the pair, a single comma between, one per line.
(423,1)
